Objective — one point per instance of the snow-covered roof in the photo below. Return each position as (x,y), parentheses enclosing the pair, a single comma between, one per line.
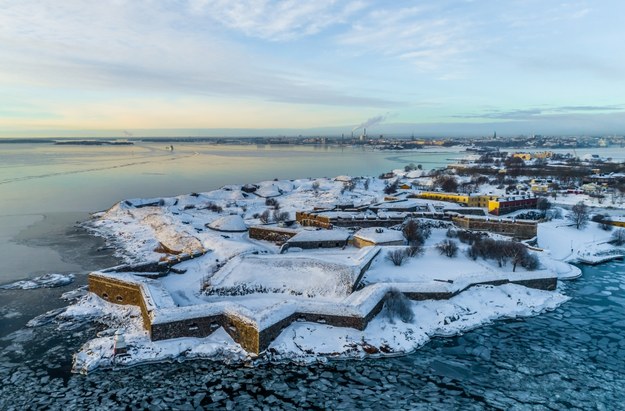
(345,179)
(230,223)
(320,235)
(379,235)
(396,204)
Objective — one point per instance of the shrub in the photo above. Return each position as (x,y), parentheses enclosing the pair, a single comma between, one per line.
(618,236)
(279,216)
(448,248)
(469,237)
(603,220)
(264,217)
(446,183)
(531,262)
(397,256)
(543,204)
(391,188)
(272,202)
(398,306)
(213,207)
(414,250)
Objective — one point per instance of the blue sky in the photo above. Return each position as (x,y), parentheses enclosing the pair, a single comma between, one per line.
(203,67)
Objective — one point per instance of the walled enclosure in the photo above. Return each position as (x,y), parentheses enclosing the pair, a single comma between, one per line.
(246,331)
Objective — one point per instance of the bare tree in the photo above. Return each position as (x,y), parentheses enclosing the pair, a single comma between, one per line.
(265,216)
(414,250)
(448,248)
(280,216)
(397,256)
(579,215)
(415,232)
(515,251)
(447,183)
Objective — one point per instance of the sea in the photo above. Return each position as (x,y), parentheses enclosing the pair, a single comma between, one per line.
(570,358)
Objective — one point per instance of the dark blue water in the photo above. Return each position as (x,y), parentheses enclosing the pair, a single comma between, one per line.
(571,358)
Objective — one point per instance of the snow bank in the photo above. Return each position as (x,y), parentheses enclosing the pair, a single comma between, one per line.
(475,307)
(44,281)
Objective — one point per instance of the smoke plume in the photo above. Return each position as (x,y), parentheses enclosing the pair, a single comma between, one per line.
(370,122)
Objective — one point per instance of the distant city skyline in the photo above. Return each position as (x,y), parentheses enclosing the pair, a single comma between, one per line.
(262,67)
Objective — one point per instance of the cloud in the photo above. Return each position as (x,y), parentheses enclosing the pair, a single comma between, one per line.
(542,112)
(278,20)
(427,37)
(145,47)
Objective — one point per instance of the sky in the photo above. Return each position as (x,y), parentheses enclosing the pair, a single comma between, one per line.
(262,67)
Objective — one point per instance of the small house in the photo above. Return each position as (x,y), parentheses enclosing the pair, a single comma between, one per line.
(378,236)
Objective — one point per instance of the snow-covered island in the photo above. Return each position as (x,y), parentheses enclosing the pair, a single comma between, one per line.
(345,266)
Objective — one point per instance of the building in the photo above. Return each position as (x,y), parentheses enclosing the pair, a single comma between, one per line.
(617,221)
(505,205)
(470,200)
(522,156)
(372,236)
(320,238)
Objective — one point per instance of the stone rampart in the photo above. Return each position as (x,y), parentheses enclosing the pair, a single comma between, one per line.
(270,233)
(521,229)
(247,332)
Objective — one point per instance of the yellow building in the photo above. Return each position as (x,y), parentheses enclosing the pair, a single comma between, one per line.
(617,221)
(523,156)
(452,197)
(471,200)
(542,154)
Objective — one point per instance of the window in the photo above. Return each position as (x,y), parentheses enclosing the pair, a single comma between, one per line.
(105,296)
(119,298)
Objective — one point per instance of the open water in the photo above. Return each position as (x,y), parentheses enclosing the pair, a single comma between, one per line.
(571,358)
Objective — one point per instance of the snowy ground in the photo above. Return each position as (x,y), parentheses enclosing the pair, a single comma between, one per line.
(249,275)
(477,306)
(563,242)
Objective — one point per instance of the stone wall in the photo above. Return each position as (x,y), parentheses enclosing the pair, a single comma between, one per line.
(120,292)
(246,331)
(271,233)
(189,327)
(548,284)
(312,220)
(519,229)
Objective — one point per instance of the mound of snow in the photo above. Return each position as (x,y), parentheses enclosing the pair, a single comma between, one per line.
(229,223)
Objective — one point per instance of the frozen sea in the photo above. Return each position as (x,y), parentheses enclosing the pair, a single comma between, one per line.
(571,358)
